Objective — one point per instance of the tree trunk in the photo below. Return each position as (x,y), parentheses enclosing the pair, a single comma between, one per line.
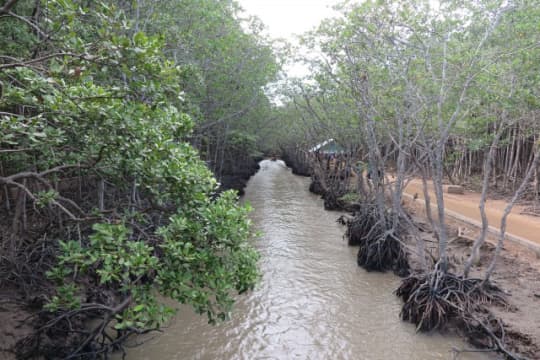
(507,210)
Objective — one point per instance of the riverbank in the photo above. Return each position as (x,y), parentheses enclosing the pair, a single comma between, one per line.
(20,308)
(14,324)
(517,273)
(236,176)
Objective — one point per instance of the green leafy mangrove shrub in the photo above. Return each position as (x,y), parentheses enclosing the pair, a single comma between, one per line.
(99,171)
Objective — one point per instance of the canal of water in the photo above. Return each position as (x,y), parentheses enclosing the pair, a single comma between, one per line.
(313,301)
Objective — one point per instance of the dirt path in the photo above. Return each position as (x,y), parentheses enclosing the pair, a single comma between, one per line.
(519,225)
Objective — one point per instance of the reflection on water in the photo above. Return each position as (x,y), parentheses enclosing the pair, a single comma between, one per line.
(313,301)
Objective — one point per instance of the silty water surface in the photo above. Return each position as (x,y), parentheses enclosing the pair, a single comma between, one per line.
(313,301)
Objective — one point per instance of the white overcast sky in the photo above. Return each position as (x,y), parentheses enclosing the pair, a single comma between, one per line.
(287,17)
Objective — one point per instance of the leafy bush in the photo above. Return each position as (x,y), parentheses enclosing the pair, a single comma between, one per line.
(102,105)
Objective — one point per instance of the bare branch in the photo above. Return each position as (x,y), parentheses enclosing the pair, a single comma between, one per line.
(9,151)
(7,6)
(26,21)
(50,56)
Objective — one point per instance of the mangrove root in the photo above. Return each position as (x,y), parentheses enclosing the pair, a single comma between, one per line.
(434,300)
(380,249)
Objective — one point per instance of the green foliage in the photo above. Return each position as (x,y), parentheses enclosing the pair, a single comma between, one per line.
(349,197)
(241,143)
(428,66)
(215,245)
(203,258)
(66,298)
(45,198)
(230,63)
(107,102)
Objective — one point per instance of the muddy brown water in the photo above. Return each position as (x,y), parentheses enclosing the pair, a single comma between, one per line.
(313,302)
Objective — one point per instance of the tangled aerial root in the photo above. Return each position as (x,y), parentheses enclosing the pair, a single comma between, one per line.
(316,187)
(330,194)
(435,299)
(432,299)
(380,248)
(360,225)
(381,251)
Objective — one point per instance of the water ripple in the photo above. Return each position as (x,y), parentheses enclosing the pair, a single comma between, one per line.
(313,301)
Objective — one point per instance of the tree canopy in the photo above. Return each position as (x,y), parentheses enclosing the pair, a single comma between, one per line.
(108,204)
(122,123)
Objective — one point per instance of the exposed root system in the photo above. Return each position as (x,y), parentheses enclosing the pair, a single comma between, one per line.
(296,161)
(315,186)
(436,299)
(332,200)
(360,225)
(331,195)
(380,248)
(431,299)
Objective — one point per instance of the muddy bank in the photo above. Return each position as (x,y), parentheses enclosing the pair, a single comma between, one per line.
(515,320)
(517,273)
(332,198)
(297,162)
(12,324)
(236,174)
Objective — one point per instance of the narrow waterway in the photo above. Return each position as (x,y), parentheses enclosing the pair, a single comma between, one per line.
(313,301)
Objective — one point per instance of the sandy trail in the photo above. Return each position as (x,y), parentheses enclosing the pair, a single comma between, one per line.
(521,225)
